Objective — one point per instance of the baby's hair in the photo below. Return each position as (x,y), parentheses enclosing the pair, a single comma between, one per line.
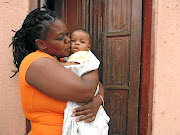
(35,26)
(90,38)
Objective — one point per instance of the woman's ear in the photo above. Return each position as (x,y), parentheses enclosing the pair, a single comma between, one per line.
(40,44)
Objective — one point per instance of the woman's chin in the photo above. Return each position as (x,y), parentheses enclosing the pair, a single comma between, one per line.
(67,55)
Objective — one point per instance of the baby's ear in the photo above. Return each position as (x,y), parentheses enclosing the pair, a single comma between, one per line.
(89,47)
(40,44)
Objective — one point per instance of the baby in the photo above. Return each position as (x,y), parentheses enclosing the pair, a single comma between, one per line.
(86,62)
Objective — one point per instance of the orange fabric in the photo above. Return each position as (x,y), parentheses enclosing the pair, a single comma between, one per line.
(61,59)
(46,114)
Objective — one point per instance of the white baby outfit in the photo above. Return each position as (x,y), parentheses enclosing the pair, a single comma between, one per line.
(99,126)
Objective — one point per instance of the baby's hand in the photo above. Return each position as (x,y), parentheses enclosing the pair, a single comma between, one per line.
(68,63)
(74,63)
(65,63)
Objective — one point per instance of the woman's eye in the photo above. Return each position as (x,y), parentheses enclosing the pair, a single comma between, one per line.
(68,34)
(72,40)
(61,38)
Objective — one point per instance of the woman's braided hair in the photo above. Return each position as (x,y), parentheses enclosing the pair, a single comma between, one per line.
(35,26)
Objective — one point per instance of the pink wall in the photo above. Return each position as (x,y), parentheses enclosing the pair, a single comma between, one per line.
(12,120)
(166,107)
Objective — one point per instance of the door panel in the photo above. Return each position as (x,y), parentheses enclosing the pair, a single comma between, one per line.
(117,15)
(116,107)
(116,62)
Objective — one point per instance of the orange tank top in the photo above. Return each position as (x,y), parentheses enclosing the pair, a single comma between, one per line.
(46,114)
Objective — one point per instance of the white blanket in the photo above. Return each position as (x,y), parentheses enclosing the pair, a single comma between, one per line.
(99,126)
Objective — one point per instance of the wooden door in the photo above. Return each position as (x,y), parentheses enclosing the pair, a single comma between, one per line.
(121,70)
(115,26)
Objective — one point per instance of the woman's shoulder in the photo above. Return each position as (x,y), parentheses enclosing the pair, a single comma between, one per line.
(26,62)
(35,55)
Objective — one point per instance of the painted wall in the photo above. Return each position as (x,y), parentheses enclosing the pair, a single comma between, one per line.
(166,107)
(12,120)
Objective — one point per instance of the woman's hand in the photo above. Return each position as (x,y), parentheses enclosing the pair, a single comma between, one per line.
(88,110)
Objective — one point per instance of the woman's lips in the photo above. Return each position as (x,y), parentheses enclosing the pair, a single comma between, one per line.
(69,49)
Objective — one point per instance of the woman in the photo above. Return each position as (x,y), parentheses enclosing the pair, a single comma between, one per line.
(45,85)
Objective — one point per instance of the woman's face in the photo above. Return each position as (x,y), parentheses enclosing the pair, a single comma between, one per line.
(57,41)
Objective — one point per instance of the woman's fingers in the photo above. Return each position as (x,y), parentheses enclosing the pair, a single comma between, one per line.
(81,108)
(88,110)
(81,103)
(86,117)
(83,112)
(90,120)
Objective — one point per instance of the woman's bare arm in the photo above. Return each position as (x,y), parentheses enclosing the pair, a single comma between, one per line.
(52,79)
(101,90)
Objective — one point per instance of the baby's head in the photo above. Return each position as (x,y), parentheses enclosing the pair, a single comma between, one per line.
(80,40)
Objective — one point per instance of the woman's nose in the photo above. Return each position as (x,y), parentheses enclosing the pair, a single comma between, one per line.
(67,40)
